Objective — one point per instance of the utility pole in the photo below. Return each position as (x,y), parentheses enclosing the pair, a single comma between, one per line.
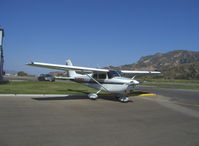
(1,55)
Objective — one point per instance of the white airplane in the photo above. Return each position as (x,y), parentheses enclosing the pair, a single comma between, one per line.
(110,81)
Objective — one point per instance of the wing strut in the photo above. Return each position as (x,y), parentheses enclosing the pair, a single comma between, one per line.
(98,84)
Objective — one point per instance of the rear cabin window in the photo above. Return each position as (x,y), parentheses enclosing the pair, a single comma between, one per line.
(102,76)
(99,76)
(95,76)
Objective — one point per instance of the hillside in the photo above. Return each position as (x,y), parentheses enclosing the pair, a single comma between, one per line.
(179,64)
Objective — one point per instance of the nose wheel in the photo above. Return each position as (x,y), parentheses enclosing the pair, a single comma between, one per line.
(123,99)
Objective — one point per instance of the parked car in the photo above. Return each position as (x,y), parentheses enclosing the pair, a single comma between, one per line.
(46,77)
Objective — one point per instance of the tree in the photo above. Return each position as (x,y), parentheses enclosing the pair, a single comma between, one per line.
(22,73)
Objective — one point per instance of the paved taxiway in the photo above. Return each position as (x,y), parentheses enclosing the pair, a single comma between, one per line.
(78,121)
(184,97)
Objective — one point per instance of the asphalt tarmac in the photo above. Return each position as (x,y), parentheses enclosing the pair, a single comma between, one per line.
(78,121)
(184,97)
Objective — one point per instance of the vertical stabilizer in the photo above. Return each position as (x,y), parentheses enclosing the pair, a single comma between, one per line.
(71,73)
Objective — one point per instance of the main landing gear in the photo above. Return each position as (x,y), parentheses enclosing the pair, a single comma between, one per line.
(92,96)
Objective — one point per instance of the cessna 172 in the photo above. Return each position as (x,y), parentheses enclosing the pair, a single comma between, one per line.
(106,80)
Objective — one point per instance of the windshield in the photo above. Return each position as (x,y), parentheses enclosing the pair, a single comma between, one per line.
(114,73)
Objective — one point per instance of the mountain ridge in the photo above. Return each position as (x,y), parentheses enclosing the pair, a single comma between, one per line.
(177,64)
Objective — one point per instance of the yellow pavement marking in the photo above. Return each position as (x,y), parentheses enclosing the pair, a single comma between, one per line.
(148,94)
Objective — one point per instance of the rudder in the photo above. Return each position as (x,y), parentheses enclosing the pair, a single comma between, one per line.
(71,73)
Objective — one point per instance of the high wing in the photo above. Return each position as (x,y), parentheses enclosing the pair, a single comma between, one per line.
(84,69)
(139,72)
(66,67)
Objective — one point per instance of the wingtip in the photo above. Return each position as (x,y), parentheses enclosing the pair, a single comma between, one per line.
(30,63)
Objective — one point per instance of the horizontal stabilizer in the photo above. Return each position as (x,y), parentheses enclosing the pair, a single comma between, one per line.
(64,78)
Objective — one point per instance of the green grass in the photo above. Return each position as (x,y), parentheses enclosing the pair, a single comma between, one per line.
(171,83)
(34,87)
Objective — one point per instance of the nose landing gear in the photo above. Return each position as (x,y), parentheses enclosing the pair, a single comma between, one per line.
(123,99)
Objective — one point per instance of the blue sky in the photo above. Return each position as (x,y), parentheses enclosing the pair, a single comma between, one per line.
(95,33)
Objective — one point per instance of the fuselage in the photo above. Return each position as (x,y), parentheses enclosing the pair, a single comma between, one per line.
(117,84)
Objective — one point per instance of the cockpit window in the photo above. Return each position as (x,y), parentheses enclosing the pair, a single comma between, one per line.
(114,73)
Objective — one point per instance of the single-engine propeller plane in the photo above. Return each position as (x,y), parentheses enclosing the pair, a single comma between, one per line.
(111,81)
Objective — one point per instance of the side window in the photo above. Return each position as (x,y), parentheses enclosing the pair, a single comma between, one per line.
(109,75)
(102,76)
(95,76)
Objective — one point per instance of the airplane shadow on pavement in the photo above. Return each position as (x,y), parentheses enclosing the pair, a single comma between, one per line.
(70,97)
(83,95)
(77,97)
